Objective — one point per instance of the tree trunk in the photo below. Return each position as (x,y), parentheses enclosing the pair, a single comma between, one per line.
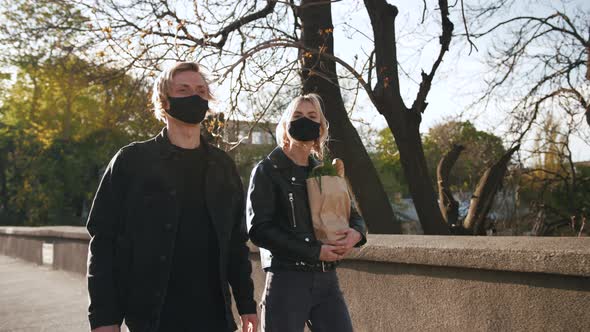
(449,207)
(403,122)
(319,76)
(484,194)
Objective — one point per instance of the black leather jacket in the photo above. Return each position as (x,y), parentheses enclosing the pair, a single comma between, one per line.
(133,223)
(276,224)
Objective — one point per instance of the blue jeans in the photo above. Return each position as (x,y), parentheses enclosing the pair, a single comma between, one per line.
(293,298)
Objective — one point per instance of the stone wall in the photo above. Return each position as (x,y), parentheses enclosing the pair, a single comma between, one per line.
(415,283)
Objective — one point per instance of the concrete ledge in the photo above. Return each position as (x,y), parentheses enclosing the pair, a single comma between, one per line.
(62,232)
(553,255)
(415,283)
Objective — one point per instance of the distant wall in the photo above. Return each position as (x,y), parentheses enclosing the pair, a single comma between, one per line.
(415,283)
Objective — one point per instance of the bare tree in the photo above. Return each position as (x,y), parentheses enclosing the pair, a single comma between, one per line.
(404,121)
(541,62)
(538,72)
(560,190)
(482,198)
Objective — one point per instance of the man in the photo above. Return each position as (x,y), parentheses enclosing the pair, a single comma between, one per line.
(167,228)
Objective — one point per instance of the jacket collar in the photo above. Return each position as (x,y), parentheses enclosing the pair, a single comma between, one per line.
(168,150)
(280,160)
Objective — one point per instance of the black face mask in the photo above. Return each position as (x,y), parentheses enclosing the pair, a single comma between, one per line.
(191,109)
(304,129)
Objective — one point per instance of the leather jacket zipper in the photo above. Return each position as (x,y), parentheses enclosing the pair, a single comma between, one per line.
(291,199)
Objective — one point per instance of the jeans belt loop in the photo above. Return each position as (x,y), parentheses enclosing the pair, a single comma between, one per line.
(323,267)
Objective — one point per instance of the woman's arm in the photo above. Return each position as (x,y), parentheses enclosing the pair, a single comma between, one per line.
(358,224)
(354,236)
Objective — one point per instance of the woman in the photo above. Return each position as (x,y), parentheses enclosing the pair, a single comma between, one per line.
(301,282)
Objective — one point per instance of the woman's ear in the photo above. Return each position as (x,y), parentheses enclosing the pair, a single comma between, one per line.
(165,104)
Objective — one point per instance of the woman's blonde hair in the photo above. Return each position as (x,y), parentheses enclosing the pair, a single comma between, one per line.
(163,82)
(282,132)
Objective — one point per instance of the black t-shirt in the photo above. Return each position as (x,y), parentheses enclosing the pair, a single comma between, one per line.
(194,301)
(299,182)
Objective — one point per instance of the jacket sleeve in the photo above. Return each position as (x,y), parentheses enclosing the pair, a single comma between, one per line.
(263,230)
(102,225)
(358,223)
(240,268)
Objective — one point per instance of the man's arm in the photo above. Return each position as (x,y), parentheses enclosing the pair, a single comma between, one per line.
(103,224)
(240,268)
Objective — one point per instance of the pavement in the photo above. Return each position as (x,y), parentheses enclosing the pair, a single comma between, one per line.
(36,298)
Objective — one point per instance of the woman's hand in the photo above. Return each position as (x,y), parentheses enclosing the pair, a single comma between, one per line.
(351,238)
(329,253)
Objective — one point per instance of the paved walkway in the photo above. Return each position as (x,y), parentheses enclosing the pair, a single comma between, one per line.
(37,298)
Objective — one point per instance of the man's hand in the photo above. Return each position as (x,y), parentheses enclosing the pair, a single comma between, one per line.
(329,253)
(351,238)
(110,328)
(249,323)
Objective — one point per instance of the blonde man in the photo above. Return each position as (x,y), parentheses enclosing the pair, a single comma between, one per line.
(166,225)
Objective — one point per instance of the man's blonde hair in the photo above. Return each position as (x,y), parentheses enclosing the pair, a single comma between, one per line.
(282,132)
(163,82)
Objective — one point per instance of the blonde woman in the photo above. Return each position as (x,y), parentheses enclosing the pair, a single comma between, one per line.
(301,282)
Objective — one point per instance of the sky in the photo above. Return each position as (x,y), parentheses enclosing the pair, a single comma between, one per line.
(459,80)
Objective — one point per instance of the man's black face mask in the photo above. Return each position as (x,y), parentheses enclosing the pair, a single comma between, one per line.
(191,109)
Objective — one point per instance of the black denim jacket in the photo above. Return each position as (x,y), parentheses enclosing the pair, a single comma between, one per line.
(276,224)
(132,225)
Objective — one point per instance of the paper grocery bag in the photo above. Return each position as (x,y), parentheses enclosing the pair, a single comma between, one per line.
(329,203)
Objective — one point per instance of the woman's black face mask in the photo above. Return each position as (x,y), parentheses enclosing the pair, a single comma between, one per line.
(304,129)
(191,109)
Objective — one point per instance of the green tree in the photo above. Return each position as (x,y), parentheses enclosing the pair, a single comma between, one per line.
(387,162)
(60,122)
(481,150)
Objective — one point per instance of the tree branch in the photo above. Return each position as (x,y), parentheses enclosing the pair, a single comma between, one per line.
(449,207)
(420,104)
(289,43)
